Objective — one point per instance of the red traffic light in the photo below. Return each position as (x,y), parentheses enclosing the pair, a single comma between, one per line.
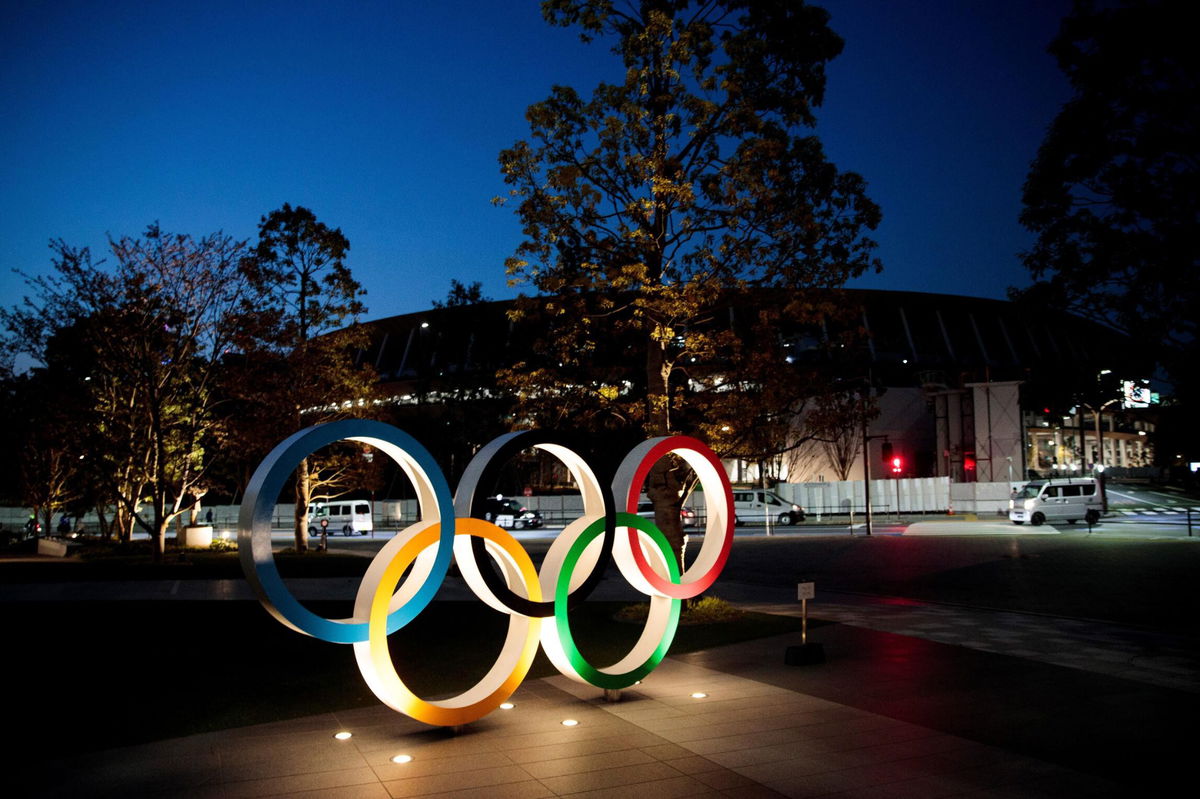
(897,464)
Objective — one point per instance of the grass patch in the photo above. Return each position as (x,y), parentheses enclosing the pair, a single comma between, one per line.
(105,674)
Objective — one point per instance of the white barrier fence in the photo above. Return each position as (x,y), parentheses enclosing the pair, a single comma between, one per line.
(909,495)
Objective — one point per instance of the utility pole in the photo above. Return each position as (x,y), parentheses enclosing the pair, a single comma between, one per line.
(866,451)
(867,469)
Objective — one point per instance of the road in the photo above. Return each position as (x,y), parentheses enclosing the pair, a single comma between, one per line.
(1158,522)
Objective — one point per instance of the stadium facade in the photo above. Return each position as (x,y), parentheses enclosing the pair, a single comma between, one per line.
(969,388)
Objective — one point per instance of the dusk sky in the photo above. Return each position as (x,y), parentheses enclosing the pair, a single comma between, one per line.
(386,119)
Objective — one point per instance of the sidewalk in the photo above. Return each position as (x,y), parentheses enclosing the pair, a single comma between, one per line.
(916,700)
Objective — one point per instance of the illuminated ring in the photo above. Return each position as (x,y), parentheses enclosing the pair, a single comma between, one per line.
(718,532)
(254,524)
(468,502)
(510,668)
(656,636)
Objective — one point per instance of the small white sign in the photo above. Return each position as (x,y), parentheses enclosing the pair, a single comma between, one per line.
(806,590)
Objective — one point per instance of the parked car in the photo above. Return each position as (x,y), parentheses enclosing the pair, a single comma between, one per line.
(755,504)
(347,517)
(509,513)
(1066,500)
(687,516)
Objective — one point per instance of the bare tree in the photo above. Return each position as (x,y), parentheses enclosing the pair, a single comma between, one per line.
(153,331)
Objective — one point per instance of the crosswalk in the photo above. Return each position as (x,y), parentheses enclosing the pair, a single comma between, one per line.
(1172,510)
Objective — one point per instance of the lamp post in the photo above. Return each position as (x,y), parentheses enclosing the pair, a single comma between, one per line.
(1097,416)
(369,457)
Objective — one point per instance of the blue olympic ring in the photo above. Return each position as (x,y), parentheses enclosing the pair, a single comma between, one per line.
(254,523)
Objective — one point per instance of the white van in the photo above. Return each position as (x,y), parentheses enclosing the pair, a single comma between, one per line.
(347,517)
(1069,500)
(753,505)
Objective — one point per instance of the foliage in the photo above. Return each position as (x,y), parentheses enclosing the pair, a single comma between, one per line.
(654,207)
(462,294)
(1112,195)
(299,267)
(704,610)
(143,343)
(49,474)
(298,366)
(181,347)
(710,610)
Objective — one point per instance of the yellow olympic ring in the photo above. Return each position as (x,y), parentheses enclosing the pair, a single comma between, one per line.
(516,656)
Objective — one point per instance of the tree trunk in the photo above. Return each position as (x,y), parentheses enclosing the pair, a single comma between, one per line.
(160,538)
(664,488)
(124,523)
(300,515)
(658,418)
(102,523)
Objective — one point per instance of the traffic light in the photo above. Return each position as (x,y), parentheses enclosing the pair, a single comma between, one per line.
(897,465)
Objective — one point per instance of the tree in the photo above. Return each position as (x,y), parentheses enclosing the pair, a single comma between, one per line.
(654,207)
(837,423)
(46,445)
(298,365)
(1114,193)
(146,340)
(462,294)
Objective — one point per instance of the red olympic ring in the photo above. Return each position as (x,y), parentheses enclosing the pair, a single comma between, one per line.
(718,539)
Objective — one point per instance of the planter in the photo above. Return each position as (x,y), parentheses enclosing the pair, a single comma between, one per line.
(55,549)
(197,535)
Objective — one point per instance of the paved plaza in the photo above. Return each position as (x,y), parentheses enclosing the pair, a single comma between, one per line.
(915,700)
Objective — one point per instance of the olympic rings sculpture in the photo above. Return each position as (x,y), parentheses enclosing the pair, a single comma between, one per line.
(574,564)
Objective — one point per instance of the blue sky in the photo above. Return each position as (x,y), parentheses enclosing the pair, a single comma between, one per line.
(386,119)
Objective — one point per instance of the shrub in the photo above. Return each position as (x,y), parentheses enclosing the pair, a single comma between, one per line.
(705,610)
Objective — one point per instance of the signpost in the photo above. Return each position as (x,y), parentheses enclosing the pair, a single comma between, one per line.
(806,654)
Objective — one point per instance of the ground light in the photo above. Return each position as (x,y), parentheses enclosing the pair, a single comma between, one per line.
(402,759)
(699,695)
(506,706)
(343,735)
(570,723)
